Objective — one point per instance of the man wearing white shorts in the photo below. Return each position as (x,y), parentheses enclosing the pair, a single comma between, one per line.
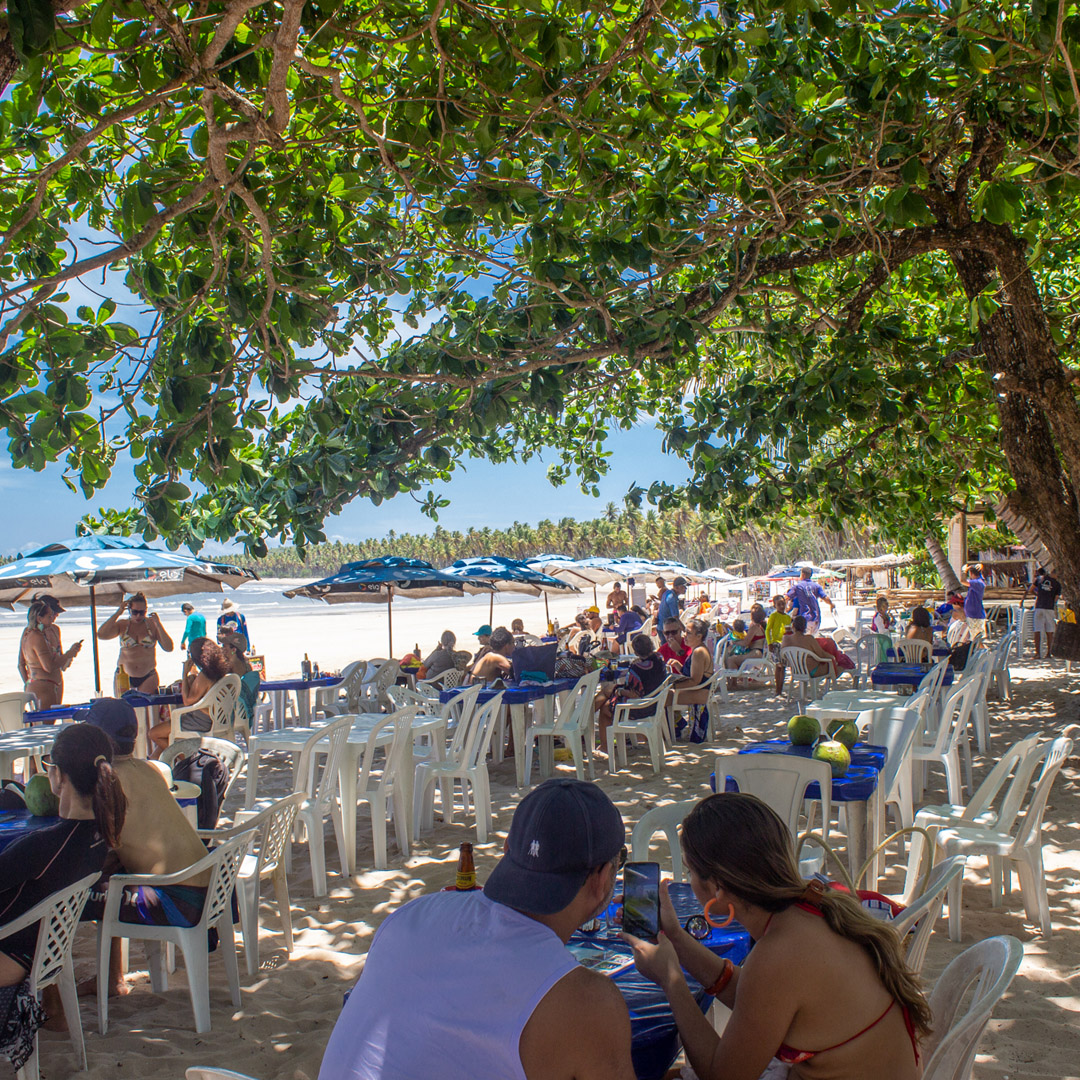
(1047,589)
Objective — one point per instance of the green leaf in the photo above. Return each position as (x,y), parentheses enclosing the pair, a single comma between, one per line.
(31,24)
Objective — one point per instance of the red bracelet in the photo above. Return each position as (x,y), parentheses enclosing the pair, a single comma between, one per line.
(725,977)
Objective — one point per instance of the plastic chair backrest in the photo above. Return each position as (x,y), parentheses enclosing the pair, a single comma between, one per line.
(329,743)
(1016,758)
(933,681)
(272,828)
(665,819)
(12,707)
(224,866)
(352,682)
(578,709)
(221,702)
(779,781)
(990,966)
(58,916)
(920,915)
(481,726)
(894,728)
(463,707)
(1001,653)
(386,676)
(955,711)
(1029,832)
(800,661)
(914,651)
(398,720)
(872,648)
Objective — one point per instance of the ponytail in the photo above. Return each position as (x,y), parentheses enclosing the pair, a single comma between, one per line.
(739,842)
(83,753)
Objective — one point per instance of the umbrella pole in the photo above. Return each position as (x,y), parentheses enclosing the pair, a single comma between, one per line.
(596,602)
(390,617)
(491,608)
(547,614)
(94,641)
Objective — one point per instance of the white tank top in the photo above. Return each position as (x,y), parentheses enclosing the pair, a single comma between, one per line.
(450,983)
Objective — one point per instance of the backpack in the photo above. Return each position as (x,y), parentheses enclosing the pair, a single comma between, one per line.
(206,769)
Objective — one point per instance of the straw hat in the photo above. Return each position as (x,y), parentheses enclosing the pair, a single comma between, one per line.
(228,605)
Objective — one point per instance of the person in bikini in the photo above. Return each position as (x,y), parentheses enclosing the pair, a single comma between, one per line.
(41,662)
(824,980)
(140,634)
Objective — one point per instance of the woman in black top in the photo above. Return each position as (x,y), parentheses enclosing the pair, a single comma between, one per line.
(92,809)
(643,677)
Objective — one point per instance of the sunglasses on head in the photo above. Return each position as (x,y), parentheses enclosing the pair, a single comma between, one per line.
(47,761)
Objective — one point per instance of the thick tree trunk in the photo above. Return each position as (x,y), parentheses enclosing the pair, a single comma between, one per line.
(1040,419)
(942,564)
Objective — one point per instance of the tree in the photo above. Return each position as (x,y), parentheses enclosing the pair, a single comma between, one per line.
(830,248)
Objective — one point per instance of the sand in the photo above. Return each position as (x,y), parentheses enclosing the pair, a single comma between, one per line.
(287,1012)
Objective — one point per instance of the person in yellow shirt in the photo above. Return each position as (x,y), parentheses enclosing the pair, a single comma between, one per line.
(775,627)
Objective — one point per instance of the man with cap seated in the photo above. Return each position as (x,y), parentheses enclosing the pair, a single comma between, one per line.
(480,984)
(495,663)
(593,638)
(156,839)
(483,641)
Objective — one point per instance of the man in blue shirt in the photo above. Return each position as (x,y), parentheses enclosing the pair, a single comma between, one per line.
(670,608)
(974,611)
(195,627)
(628,622)
(804,596)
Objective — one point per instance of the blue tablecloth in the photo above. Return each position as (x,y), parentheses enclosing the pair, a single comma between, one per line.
(515,693)
(861,753)
(857,786)
(905,674)
(938,650)
(15,824)
(654,1037)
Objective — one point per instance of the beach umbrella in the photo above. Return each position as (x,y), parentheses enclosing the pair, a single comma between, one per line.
(508,575)
(377,580)
(89,569)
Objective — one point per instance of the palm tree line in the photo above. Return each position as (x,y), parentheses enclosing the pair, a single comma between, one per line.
(683,535)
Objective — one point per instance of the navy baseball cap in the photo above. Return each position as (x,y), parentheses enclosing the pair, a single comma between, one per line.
(116,718)
(561,831)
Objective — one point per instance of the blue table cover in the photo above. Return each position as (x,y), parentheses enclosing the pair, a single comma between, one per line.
(654,1036)
(861,753)
(515,693)
(905,674)
(15,824)
(857,786)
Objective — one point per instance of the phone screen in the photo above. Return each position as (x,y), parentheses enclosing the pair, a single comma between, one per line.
(641,900)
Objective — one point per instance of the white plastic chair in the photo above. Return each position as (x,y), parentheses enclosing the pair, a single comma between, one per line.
(269,830)
(232,755)
(990,966)
(223,864)
(58,916)
(715,684)
(220,703)
(574,724)
(870,650)
(1022,847)
(921,915)
(377,788)
(665,819)
(800,662)
(624,726)
(466,761)
(343,698)
(914,651)
(895,728)
(376,684)
(780,781)
(944,746)
(12,707)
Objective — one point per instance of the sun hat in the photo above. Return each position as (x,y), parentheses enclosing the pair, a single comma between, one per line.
(116,718)
(229,605)
(50,601)
(561,831)
(484,631)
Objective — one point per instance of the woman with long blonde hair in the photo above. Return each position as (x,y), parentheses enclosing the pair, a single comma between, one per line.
(824,991)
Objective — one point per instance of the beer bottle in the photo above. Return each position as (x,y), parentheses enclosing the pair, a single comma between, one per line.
(123,681)
(466,870)
(305,668)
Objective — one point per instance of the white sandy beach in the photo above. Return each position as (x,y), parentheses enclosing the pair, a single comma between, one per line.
(287,1012)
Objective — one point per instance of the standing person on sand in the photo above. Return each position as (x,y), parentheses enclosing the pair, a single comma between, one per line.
(232,618)
(974,611)
(195,627)
(1047,589)
(617,598)
(41,664)
(140,634)
(804,596)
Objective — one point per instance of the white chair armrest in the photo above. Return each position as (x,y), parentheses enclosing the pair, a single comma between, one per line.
(37,912)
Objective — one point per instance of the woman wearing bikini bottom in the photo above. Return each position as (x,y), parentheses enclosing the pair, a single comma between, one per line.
(140,634)
(824,992)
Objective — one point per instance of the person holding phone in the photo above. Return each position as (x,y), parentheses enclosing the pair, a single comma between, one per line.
(42,662)
(140,634)
(500,995)
(824,979)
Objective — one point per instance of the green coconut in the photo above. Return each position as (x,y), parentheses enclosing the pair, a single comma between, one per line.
(836,754)
(803,730)
(844,731)
(40,800)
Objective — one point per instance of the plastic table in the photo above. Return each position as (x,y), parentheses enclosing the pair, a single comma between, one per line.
(278,688)
(847,704)
(31,742)
(15,824)
(858,791)
(291,740)
(905,674)
(516,699)
(654,1036)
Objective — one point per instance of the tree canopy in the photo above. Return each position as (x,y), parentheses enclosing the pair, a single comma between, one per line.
(829,247)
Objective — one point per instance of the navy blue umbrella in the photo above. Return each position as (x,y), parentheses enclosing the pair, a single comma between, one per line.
(87,569)
(507,575)
(379,580)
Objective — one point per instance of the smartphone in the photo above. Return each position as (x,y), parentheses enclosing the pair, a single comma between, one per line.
(641,900)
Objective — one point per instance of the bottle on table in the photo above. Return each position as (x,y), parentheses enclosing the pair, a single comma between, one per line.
(551,628)
(305,668)
(123,680)
(315,670)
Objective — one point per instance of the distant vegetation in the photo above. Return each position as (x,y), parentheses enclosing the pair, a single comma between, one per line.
(682,535)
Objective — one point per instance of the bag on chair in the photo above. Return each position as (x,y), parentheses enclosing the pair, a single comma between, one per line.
(211,774)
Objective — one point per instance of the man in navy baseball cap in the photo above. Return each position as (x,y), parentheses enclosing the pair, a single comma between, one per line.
(502,995)
(116,718)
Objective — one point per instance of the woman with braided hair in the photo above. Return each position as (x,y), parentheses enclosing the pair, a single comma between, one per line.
(824,975)
(92,808)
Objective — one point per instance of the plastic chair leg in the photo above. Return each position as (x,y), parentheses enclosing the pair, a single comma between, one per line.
(156,962)
(247,899)
(227,945)
(316,843)
(378,831)
(69,997)
(482,801)
(955,900)
(104,945)
(281,891)
(197,965)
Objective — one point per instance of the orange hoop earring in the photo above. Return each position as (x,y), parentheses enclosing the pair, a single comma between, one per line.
(719,925)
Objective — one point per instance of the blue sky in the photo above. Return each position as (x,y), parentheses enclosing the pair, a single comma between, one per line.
(40,508)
